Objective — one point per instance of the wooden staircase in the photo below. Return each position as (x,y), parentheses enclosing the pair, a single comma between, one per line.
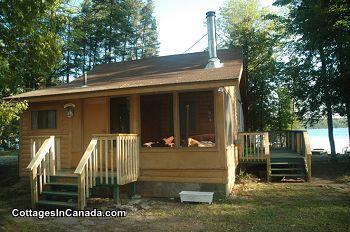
(288,167)
(110,159)
(60,192)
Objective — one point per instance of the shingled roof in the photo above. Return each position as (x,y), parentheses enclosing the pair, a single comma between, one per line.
(155,71)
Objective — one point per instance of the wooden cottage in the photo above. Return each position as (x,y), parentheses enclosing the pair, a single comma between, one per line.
(180,117)
(161,124)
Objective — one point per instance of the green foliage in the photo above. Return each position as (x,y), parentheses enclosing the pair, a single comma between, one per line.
(322,123)
(30,47)
(9,116)
(253,28)
(283,114)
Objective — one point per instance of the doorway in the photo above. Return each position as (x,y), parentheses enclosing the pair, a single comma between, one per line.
(120,115)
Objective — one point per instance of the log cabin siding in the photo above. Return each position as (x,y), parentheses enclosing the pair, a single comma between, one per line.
(62,130)
(69,130)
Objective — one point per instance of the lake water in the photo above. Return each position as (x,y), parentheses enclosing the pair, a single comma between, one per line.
(319,139)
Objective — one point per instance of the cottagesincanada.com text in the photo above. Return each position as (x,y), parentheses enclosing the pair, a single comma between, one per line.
(67,213)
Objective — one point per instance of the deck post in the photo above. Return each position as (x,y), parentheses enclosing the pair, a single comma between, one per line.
(268,167)
(34,188)
(267,155)
(133,188)
(116,193)
(308,160)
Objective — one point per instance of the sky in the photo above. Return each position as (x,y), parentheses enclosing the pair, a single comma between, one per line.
(181,23)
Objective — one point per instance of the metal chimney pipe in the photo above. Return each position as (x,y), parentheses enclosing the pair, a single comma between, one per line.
(85,80)
(213,61)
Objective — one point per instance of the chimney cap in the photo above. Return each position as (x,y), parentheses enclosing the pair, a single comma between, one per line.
(210,13)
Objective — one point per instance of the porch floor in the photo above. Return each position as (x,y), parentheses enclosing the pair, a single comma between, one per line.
(284,153)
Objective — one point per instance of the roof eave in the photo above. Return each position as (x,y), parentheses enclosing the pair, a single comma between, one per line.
(131,90)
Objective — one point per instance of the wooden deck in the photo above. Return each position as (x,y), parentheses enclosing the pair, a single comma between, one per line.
(285,153)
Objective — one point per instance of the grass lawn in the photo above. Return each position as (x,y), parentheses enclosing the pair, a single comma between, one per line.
(323,205)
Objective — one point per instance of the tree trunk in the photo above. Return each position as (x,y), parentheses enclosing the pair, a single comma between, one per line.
(328,100)
(348,118)
(330,128)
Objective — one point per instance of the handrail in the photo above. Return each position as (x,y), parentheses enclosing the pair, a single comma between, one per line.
(40,155)
(254,146)
(41,167)
(37,141)
(111,159)
(86,156)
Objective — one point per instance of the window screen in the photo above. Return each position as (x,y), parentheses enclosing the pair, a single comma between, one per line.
(197,127)
(157,125)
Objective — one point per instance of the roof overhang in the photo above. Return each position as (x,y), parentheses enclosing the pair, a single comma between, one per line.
(129,91)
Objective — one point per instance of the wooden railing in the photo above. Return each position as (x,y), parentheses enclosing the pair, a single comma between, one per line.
(294,140)
(42,166)
(290,139)
(253,146)
(37,141)
(111,159)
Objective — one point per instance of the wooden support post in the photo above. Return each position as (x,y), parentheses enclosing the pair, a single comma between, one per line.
(34,188)
(176,119)
(116,193)
(268,167)
(267,154)
(133,189)
(308,160)
(80,192)
(58,154)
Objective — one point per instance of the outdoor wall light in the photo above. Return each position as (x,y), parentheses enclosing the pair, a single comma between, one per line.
(221,90)
(69,109)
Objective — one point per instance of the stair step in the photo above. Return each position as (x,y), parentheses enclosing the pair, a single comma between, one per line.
(57,193)
(287,175)
(64,177)
(56,186)
(62,184)
(57,203)
(287,163)
(287,169)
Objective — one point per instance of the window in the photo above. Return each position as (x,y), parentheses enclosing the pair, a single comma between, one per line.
(44,119)
(197,127)
(157,126)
